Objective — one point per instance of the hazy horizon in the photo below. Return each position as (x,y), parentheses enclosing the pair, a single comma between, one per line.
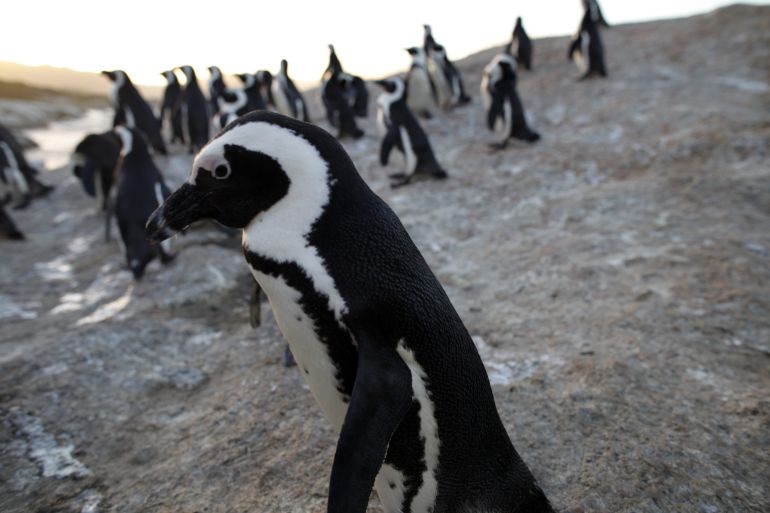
(170,34)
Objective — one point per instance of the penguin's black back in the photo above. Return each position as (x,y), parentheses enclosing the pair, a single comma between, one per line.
(197,113)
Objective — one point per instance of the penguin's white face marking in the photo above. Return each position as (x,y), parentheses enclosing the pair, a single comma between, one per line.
(126,139)
(394,91)
(419,58)
(426,495)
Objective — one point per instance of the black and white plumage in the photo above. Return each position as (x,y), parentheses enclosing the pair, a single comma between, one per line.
(402,130)
(216,88)
(286,97)
(139,190)
(379,343)
(586,48)
(505,113)
(352,87)
(421,96)
(523,45)
(132,110)
(195,112)
(447,82)
(592,6)
(94,163)
(336,97)
(234,103)
(171,107)
(13,154)
(265,81)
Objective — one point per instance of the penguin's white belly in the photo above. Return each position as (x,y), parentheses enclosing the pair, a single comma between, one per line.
(581,57)
(281,100)
(310,353)
(420,96)
(443,90)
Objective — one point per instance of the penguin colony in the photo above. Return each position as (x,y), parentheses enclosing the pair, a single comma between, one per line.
(410,396)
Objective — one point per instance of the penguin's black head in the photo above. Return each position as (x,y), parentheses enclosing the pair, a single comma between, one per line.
(188,71)
(284,65)
(264,169)
(391,85)
(114,75)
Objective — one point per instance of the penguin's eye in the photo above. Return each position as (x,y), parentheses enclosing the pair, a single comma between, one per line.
(221,172)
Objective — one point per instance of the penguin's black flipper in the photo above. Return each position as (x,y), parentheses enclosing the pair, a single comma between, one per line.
(387,145)
(255,306)
(573,48)
(381,398)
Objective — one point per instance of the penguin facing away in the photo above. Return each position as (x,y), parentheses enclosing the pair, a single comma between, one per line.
(195,118)
(586,49)
(171,107)
(132,110)
(505,114)
(420,93)
(94,163)
(403,131)
(139,190)
(523,46)
(380,345)
(288,100)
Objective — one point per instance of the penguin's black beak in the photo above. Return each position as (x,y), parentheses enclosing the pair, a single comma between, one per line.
(109,74)
(184,207)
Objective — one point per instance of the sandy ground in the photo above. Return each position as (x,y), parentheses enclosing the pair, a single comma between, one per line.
(615,276)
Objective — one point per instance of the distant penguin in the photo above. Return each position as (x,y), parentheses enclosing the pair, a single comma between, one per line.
(447,82)
(596,12)
(334,66)
(216,88)
(139,190)
(94,163)
(420,94)
(375,336)
(586,49)
(132,110)
(237,102)
(353,88)
(171,108)
(523,46)
(15,154)
(505,113)
(265,81)
(402,130)
(336,98)
(195,117)
(288,100)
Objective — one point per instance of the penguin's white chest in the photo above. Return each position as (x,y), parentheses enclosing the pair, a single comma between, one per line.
(420,96)
(311,354)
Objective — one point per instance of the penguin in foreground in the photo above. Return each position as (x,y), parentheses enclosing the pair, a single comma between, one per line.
(195,115)
(132,110)
(287,98)
(171,107)
(139,190)
(586,49)
(523,46)
(379,343)
(14,153)
(505,114)
(420,93)
(402,130)
(448,83)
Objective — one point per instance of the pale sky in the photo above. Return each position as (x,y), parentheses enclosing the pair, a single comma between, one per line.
(146,37)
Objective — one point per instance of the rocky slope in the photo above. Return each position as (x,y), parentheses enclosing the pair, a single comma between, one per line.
(615,277)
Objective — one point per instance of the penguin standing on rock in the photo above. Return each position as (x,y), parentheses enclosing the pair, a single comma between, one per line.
(287,98)
(402,130)
(419,88)
(448,83)
(379,343)
(523,46)
(195,116)
(132,110)
(586,49)
(505,113)
(93,163)
(140,189)
(171,108)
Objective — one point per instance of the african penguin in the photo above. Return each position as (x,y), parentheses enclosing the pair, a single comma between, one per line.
(401,129)
(420,93)
(171,107)
(233,103)
(586,49)
(379,343)
(216,88)
(93,163)
(195,118)
(353,88)
(288,100)
(596,12)
(265,81)
(15,154)
(523,46)
(139,190)
(132,110)
(505,113)
(447,82)
(339,111)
